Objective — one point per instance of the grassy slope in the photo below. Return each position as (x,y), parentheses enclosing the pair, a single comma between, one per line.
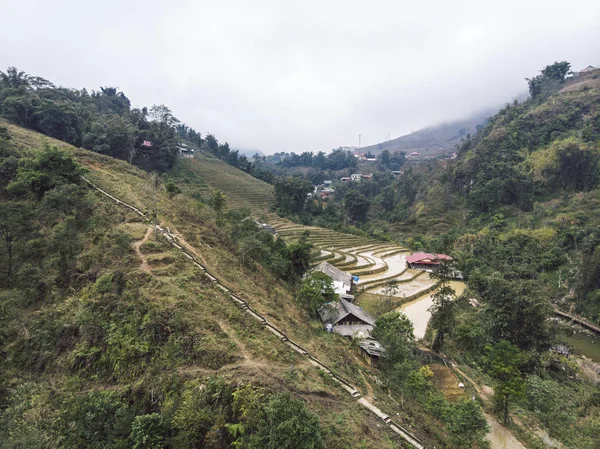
(247,353)
(241,190)
(437,209)
(555,212)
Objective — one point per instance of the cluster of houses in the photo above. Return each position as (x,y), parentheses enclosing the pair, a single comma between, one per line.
(366,157)
(323,191)
(356,177)
(348,319)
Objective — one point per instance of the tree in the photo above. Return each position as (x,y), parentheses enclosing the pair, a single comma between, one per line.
(395,332)
(467,425)
(299,255)
(550,78)
(149,431)
(385,159)
(50,168)
(113,135)
(14,78)
(286,423)
(162,114)
(390,288)
(153,190)
(502,362)
(290,193)
(514,311)
(315,291)
(357,206)
(443,315)
(172,189)
(218,203)
(15,225)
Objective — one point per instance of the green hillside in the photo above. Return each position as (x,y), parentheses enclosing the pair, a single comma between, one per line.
(139,310)
(241,189)
(111,336)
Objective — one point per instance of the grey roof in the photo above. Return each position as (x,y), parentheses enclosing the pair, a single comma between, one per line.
(334,312)
(334,273)
(372,347)
(350,330)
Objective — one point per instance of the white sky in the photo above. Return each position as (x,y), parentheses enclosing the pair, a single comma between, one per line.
(301,75)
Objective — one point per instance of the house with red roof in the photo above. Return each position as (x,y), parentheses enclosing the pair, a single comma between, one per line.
(426,261)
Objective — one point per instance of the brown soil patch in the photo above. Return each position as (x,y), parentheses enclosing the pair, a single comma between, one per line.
(136,246)
(446,381)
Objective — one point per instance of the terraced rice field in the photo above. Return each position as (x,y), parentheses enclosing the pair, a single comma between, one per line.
(374,262)
(241,190)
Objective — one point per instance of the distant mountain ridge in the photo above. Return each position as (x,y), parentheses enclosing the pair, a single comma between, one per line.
(434,140)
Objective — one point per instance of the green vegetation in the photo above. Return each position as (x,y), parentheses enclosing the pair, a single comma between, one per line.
(112,339)
(107,347)
(315,292)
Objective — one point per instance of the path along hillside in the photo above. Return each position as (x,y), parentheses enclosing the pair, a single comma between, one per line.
(235,346)
(374,262)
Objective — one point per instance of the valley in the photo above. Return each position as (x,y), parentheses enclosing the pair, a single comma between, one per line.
(157,286)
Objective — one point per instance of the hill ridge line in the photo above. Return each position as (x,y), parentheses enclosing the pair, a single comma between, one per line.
(395,427)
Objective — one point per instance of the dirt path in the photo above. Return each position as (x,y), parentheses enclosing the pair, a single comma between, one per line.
(249,360)
(136,246)
(499,436)
(187,246)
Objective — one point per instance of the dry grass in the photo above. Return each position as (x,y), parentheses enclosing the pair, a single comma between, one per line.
(445,381)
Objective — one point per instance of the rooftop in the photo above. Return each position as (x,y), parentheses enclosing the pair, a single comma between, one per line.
(334,312)
(334,273)
(426,257)
(372,347)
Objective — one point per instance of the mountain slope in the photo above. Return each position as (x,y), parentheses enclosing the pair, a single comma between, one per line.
(127,323)
(130,325)
(241,189)
(434,140)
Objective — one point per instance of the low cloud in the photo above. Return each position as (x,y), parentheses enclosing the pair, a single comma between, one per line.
(295,76)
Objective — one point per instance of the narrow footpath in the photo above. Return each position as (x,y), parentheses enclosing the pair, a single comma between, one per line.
(244,305)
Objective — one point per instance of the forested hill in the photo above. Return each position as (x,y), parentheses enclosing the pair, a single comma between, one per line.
(111,338)
(522,199)
(103,121)
(433,140)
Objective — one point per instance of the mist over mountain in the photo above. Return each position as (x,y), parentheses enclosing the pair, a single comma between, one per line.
(434,140)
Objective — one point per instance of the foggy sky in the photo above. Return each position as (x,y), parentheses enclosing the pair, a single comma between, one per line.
(301,75)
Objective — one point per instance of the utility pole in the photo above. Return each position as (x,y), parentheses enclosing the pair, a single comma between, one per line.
(359,141)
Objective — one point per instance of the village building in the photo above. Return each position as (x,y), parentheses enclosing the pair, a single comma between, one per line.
(414,155)
(327,193)
(356,177)
(342,281)
(426,261)
(369,176)
(371,159)
(266,227)
(371,351)
(347,319)
(345,178)
(185,151)
(397,173)
(327,183)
